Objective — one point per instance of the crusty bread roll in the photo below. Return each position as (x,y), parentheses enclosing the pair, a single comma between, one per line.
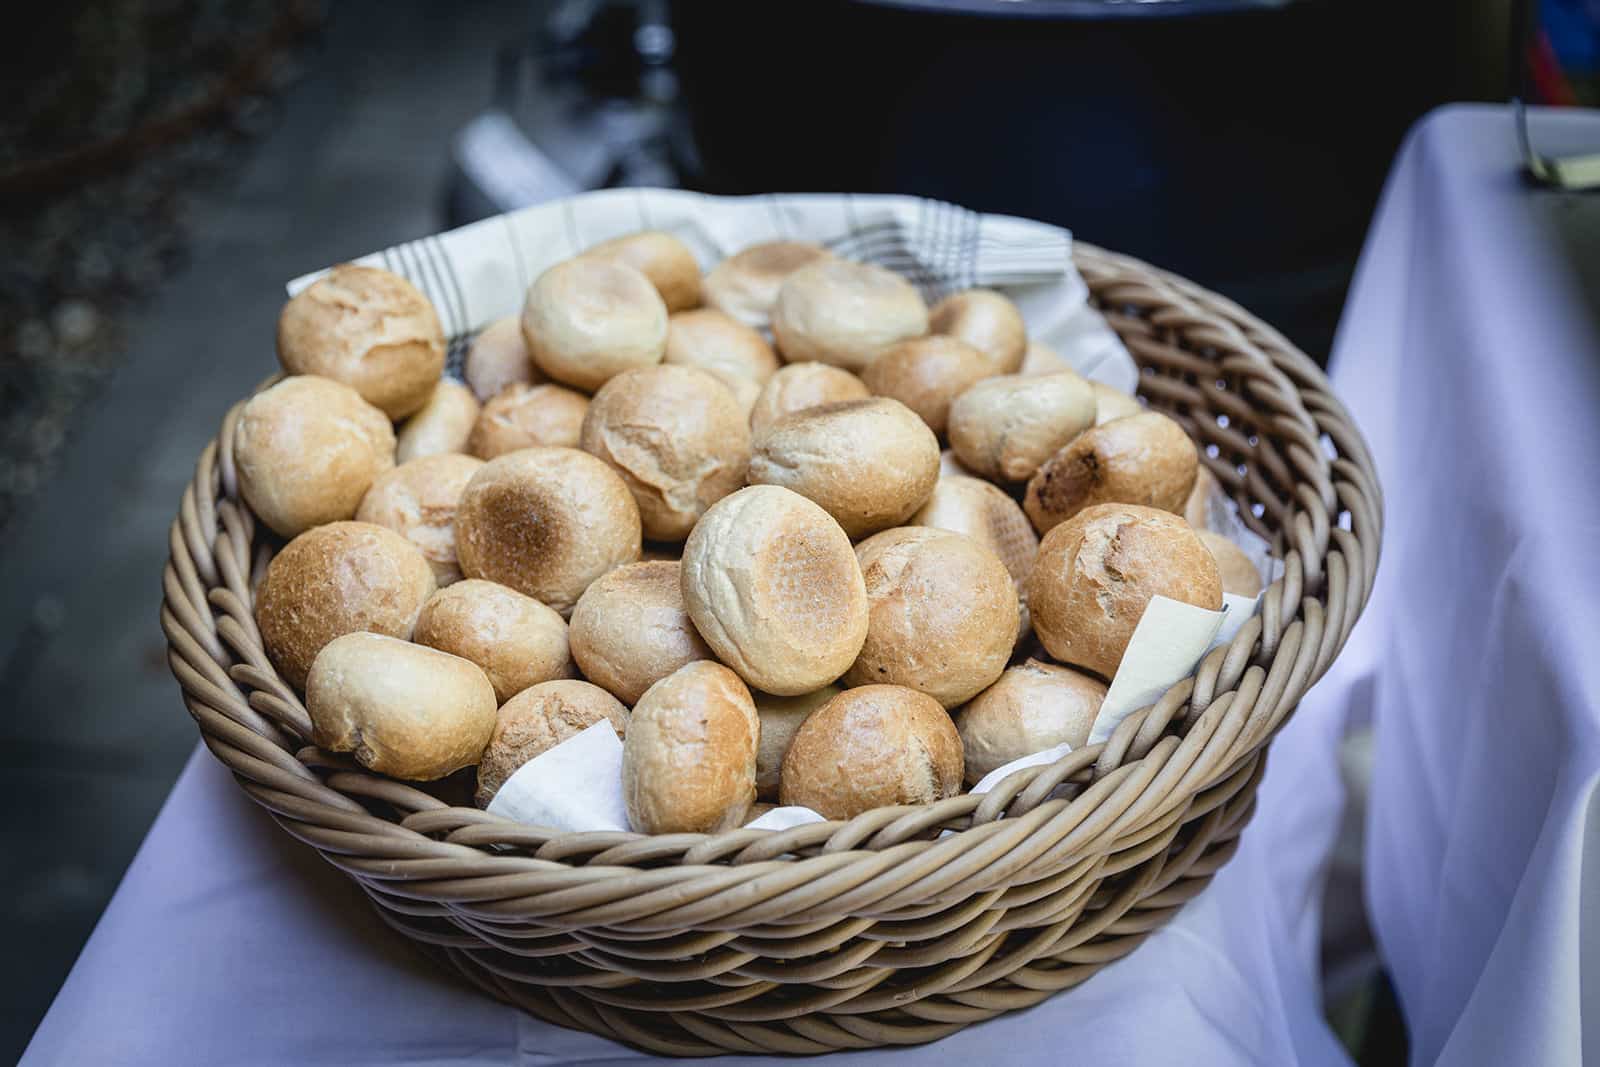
(417,500)
(546,522)
(514,639)
(781,718)
(972,506)
(1239,574)
(1197,509)
(677,438)
(306,452)
(538,719)
(1033,706)
(773,586)
(689,760)
(1141,459)
(404,710)
(334,580)
(942,613)
(868,463)
(663,259)
(1040,358)
(926,374)
(845,314)
(1097,571)
(986,320)
(528,416)
(870,747)
(630,629)
(746,284)
(803,385)
(588,319)
(1003,428)
(499,357)
(441,426)
(717,342)
(1112,403)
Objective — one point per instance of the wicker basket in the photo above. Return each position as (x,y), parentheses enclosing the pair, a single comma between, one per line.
(879,930)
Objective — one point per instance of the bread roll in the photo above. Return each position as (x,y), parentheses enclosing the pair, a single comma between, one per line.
(498,358)
(745,392)
(1142,459)
(442,425)
(926,374)
(528,416)
(546,522)
(845,314)
(987,321)
(1197,509)
(943,614)
(870,747)
(1033,706)
(1112,403)
(677,438)
(868,463)
(719,343)
(630,629)
(746,284)
(514,639)
(1003,428)
(306,452)
(417,500)
(1097,571)
(663,259)
(404,710)
(978,509)
(538,719)
(803,385)
(689,760)
(781,718)
(587,320)
(1040,358)
(771,583)
(1239,574)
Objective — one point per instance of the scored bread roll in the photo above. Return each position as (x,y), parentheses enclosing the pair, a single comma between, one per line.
(528,416)
(1112,403)
(441,426)
(417,500)
(846,314)
(870,747)
(1239,574)
(499,357)
(1197,509)
(1097,571)
(515,640)
(1033,706)
(630,629)
(868,463)
(663,259)
(587,320)
(1040,358)
(803,385)
(1141,459)
(717,342)
(538,719)
(746,284)
(546,522)
(307,450)
(689,760)
(772,584)
(370,329)
(926,374)
(1003,428)
(986,320)
(781,718)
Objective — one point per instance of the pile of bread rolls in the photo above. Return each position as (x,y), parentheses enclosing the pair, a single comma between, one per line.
(718,514)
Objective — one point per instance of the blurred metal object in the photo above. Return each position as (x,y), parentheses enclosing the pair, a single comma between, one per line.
(1572,173)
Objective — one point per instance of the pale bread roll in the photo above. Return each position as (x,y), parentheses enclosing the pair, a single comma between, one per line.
(516,641)
(772,584)
(986,320)
(870,747)
(538,719)
(717,342)
(745,392)
(528,416)
(746,284)
(926,374)
(498,357)
(443,424)
(1003,428)
(417,500)
(1033,706)
(587,320)
(845,314)
(1112,403)
(980,510)
(1141,459)
(781,718)
(630,629)
(1040,358)
(799,386)
(1239,574)
(1197,509)
(689,760)
(663,259)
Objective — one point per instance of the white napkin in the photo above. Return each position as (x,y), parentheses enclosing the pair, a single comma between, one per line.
(576,786)
(785,818)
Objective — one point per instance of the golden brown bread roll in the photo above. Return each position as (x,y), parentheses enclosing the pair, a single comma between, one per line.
(1141,459)
(986,320)
(870,747)
(717,342)
(781,718)
(1097,571)
(630,629)
(515,640)
(1239,574)
(538,719)
(370,329)
(1033,706)
(1112,403)
(746,284)
(1198,507)
(587,320)
(689,760)
(499,357)
(799,386)
(663,259)
(441,426)
(528,416)
(926,374)
(417,500)
(845,314)
(972,506)
(1040,358)
(306,452)
(772,584)
(1003,428)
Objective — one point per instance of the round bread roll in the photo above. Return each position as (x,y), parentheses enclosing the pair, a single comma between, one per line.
(799,386)
(528,416)
(514,639)
(417,500)
(1239,574)
(1142,459)
(926,374)
(1003,428)
(587,320)
(943,614)
(771,583)
(663,259)
(546,522)
(1033,706)
(677,438)
(746,284)
(781,718)
(404,710)
(745,392)
(307,450)
(1040,358)
(1097,571)
(1197,509)
(630,629)
(868,463)
(845,314)
(978,509)
(441,426)
(987,321)
(538,719)
(689,760)
(1112,403)
(498,358)
(870,747)
(371,330)
(719,343)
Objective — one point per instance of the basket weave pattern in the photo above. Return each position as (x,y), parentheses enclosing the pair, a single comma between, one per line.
(878,930)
